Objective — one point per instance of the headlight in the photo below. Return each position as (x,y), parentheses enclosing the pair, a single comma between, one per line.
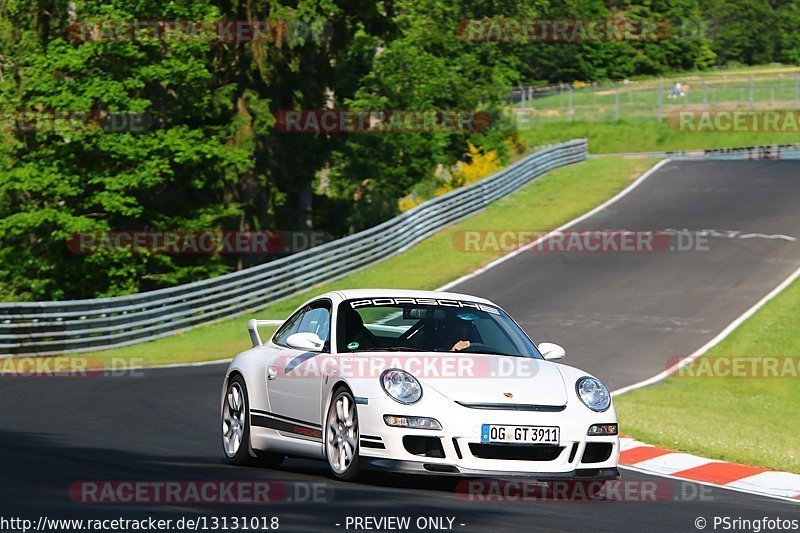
(401,386)
(593,394)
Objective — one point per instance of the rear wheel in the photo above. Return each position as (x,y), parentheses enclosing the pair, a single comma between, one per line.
(342,434)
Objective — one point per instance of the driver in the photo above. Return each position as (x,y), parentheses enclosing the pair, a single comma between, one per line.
(460,331)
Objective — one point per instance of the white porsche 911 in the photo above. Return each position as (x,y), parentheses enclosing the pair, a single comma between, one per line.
(415,382)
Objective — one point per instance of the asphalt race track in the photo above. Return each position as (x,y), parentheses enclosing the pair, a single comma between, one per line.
(626,316)
(621,316)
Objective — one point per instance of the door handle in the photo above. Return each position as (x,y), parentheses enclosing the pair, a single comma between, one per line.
(272,373)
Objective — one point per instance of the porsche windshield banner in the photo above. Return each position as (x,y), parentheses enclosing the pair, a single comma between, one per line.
(385,302)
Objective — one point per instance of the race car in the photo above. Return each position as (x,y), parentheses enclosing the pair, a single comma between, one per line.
(419,382)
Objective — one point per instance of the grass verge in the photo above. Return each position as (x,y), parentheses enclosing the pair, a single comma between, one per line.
(743,419)
(542,205)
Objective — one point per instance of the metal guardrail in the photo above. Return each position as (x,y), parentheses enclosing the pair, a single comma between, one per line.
(47,328)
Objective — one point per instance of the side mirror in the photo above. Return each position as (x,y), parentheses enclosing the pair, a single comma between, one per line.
(309,342)
(550,351)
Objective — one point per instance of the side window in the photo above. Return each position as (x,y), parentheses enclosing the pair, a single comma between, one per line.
(317,320)
(288,328)
(314,318)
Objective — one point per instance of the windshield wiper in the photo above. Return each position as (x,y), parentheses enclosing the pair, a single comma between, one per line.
(398,349)
(386,349)
(489,352)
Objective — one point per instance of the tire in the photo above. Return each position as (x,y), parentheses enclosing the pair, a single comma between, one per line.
(236,423)
(236,428)
(342,436)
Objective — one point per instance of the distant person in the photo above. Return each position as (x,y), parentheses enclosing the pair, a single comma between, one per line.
(676,90)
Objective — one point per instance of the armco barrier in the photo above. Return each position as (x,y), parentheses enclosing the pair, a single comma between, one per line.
(46,328)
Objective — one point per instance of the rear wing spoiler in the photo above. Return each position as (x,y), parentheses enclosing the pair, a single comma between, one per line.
(252,328)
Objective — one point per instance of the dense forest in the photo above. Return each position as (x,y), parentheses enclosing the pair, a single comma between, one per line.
(209,155)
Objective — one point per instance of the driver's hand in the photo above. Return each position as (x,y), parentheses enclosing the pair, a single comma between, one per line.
(460,345)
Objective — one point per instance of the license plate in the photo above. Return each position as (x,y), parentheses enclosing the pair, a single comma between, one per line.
(520,434)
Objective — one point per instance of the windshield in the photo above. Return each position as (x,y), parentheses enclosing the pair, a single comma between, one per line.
(429,325)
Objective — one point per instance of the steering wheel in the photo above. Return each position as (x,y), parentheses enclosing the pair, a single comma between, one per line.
(476,347)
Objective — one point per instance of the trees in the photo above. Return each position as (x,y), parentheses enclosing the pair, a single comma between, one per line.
(209,157)
(428,66)
(743,31)
(70,176)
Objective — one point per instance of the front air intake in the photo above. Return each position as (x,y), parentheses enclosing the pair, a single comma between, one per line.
(597,452)
(423,446)
(515,453)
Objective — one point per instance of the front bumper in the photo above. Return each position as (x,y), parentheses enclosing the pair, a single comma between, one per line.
(442,469)
(463,454)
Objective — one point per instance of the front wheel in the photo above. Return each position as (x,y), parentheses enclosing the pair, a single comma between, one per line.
(236,423)
(342,434)
(236,429)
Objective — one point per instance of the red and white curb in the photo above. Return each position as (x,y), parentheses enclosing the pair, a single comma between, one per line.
(659,461)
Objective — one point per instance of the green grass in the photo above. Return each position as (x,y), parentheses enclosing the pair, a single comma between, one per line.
(619,137)
(639,130)
(771,71)
(638,99)
(754,421)
(542,205)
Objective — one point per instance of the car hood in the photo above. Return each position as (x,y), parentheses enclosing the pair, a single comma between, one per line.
(481,379)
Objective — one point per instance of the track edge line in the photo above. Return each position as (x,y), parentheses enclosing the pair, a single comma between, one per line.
(730,328)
